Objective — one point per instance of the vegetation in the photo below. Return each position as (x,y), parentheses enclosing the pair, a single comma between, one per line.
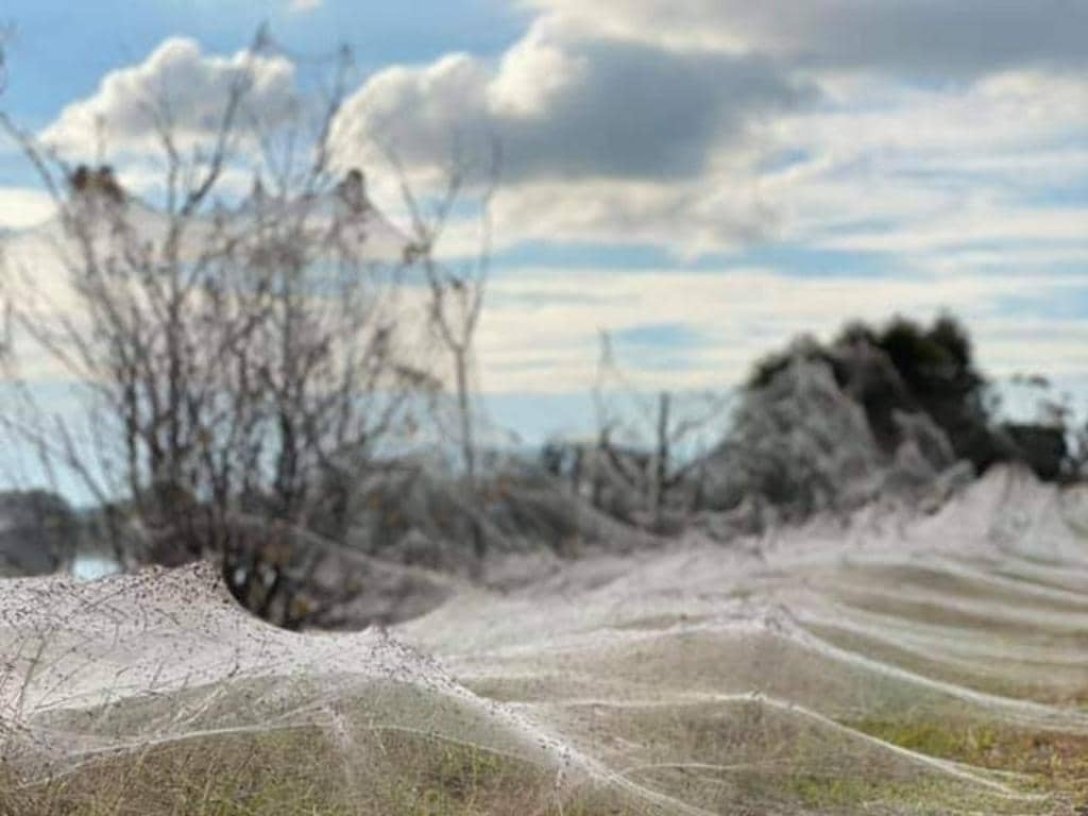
(394,749)
(905,367)
(1055,762)
(238,359)
(297,773)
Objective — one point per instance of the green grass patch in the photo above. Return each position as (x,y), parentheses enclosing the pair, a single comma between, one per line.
(1057,763)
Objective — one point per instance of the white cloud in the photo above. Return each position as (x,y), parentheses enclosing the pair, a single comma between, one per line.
(907,171)
(22,207)
(569,108)
(692,125)
(303,6)
(641,121)
(978,226)
(539,332)
(1011,110)
(600,139)
(875,166)
(612,137)
(179,86)
(541,328)
(692,219)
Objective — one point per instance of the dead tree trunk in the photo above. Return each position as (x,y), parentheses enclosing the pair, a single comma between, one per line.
(659,483)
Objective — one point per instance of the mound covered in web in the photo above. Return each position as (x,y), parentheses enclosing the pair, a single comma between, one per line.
(902,664)
(166,667)
(899,664)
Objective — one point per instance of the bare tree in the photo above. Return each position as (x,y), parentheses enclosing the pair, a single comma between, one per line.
(236,353)
(456,290)
(456,287)
(649,448)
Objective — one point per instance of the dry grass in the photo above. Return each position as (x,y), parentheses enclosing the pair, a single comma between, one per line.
(298,772)
(389,748)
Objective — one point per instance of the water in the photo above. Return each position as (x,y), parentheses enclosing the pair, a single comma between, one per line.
(92,566)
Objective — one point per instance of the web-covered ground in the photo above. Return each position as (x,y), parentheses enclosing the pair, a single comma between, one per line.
(934,664)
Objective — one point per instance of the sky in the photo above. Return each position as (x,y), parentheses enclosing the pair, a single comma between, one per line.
(701,179)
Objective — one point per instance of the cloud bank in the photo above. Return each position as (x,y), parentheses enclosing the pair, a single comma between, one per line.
(900,154)
(929,37)
(705,125)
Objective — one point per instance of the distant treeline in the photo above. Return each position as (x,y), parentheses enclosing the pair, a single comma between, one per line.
(932,371)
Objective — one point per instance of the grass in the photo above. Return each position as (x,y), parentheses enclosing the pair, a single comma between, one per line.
(388,749)
(304,772)
(402,749)
(297,772)
(288,772)
(750,757)
(1055,763)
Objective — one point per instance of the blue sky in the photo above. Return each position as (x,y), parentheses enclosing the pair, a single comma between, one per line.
(703,179)
(63,49)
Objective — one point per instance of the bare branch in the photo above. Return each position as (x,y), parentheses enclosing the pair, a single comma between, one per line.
(246,354)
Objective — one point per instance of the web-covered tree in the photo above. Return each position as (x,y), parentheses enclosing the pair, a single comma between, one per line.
(234,355)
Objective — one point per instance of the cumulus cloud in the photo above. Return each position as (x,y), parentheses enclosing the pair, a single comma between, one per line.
(666,122)
(601,139)
(928,36)
(570,108)
(179,86)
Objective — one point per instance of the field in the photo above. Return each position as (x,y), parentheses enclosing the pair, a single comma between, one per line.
(896,664)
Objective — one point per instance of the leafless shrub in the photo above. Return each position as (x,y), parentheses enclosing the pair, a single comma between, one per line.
(455,290)
(646,457)
(233,352)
